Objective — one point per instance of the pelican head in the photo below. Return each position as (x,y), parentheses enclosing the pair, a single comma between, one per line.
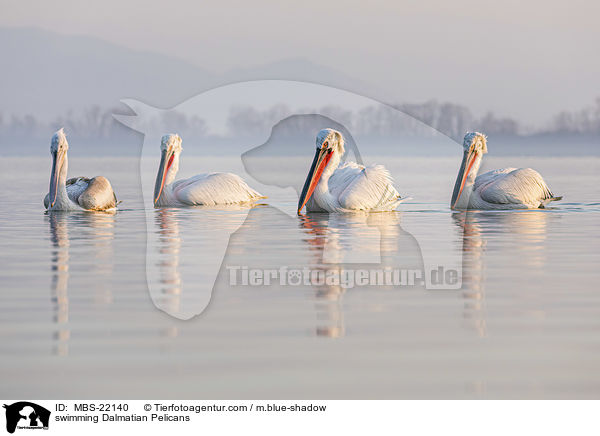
(58,151)
(330,143)
(59,141)
(475,142)
(170,148)
(330,139)
(475,146)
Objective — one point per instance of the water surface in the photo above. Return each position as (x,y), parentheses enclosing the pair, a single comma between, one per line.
(77,319)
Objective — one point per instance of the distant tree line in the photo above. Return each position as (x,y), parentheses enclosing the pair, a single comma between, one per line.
(93,123)
(586,120)
(380,120)
(448,118)
(453,120)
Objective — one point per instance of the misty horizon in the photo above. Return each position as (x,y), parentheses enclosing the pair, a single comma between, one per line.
(91,68)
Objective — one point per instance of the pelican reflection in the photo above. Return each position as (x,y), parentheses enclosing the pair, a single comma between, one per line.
(372,241)
(168,261)
(93,241)
(473,247)
(185,252)
(519,235)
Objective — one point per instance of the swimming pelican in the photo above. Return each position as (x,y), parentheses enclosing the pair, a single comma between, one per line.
(350,187)
(204,189)
(79,192)
(506,188)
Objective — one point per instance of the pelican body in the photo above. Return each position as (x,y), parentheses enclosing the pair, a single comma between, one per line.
(350,187)
(209,189)
(78,193)
(506,188)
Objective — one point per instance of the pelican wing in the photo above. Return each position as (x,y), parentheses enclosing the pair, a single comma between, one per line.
(92,194)
(76,186)
(513,186)
(214,188)
(364,188)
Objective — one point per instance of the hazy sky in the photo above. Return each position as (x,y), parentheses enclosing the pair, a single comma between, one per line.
(527,59)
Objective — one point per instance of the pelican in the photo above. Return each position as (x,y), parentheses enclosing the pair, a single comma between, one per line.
(506,188)
(350,187)
(79,192)
(203,189)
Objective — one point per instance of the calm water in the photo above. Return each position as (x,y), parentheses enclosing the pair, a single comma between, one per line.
(77,318)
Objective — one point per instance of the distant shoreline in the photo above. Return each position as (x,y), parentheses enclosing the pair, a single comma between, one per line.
(130,144)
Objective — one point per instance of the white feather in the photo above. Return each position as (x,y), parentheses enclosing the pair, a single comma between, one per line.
(510,188)
(213,189)
(208,189)
(365,188)
(351,186)
(505,188)
(78,192)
